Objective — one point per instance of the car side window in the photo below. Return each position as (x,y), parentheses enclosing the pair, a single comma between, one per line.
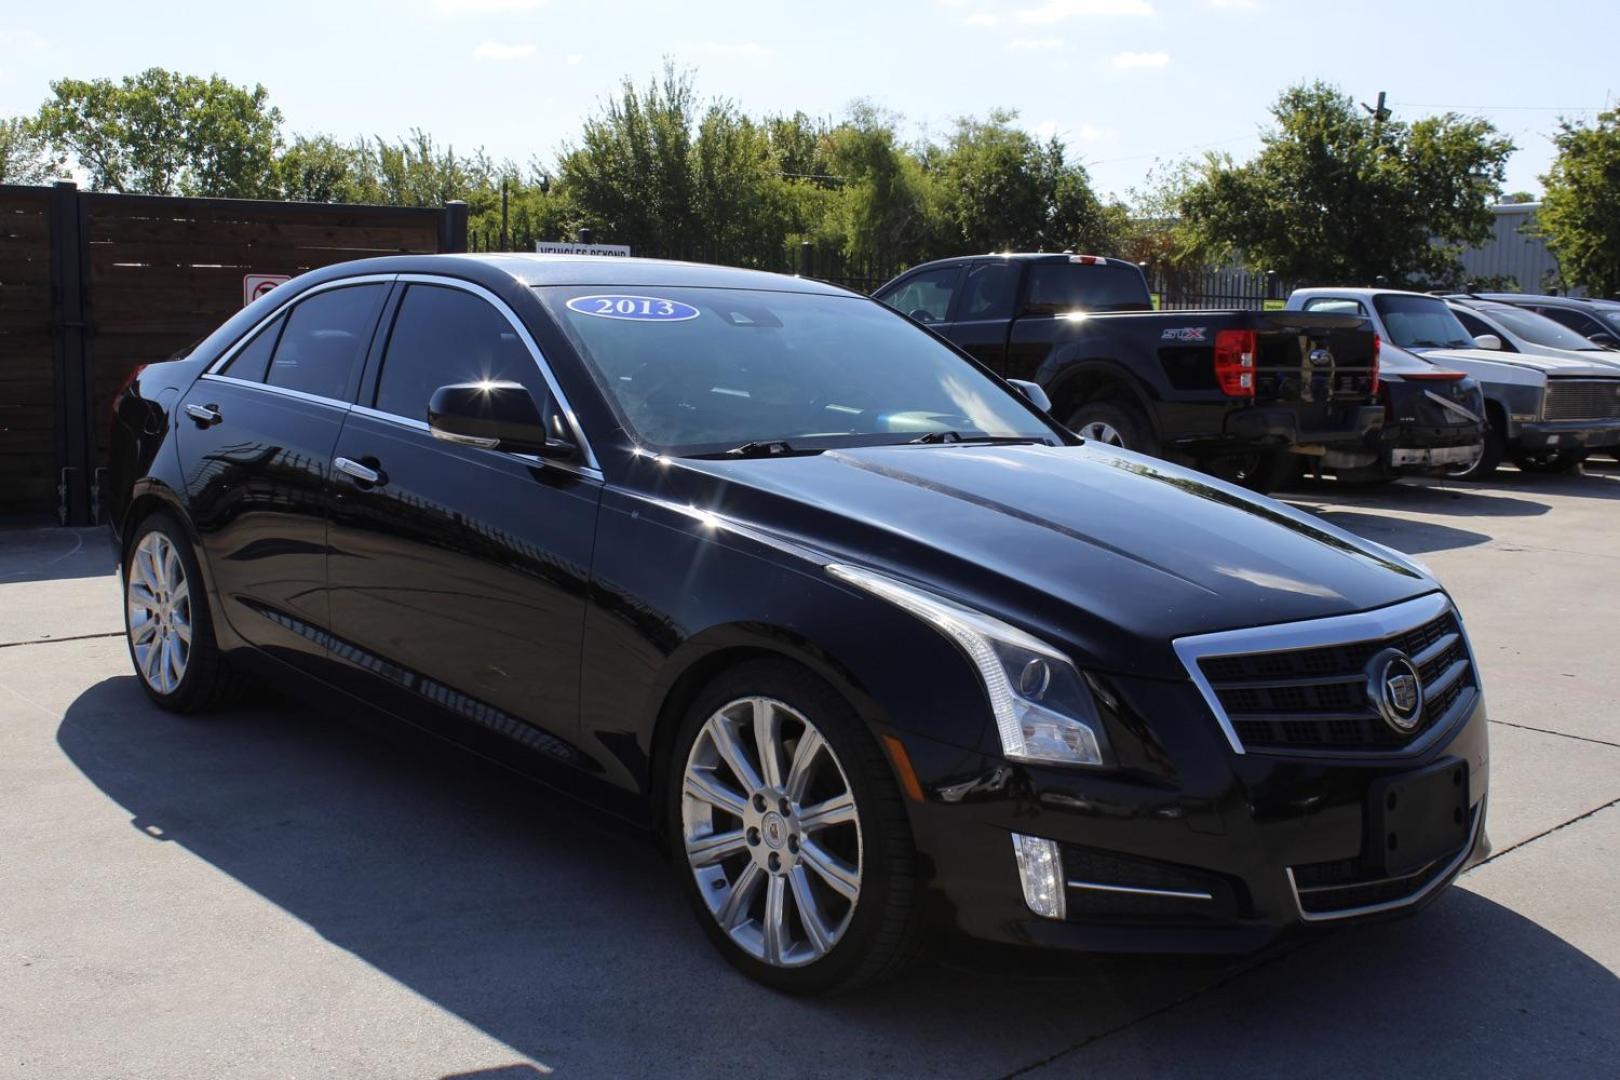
(990,292)
(444,335)
(1477,326)
(253,359)
(1577,321)
(1333,305)
(926,297)
(325,337)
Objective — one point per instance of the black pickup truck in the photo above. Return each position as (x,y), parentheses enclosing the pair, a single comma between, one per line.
(1242,394)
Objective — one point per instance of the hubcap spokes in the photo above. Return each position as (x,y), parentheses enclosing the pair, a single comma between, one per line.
(1098,431)
(771,830)
(159,601)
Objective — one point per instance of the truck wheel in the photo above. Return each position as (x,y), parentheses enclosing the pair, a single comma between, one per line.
(1490,456)
(1548,461)
(1262,471)
(1114,423)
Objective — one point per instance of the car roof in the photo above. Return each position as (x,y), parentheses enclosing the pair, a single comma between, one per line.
(1024,256)
(502,269)
(1355,290)
(1514,299)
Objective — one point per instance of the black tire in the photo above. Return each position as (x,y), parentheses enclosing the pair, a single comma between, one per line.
(1549,461)
(1261,471)
(1490,457)
(208,681)
(1127,422)
(884,933)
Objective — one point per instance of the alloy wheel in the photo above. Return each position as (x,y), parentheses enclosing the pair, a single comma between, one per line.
(772,832)
(158,599)
(1103,432)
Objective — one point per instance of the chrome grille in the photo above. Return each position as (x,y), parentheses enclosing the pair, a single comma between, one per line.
(1583,399)
(1314,698)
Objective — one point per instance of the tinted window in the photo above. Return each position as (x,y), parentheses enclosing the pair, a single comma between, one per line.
(1539,330)
(1575,320)
(1333,305)
(926,297)
(1477,327)
(1070,286)
(325,337)
(991,290)
(1421,322)
(444,336)
(253,359)
(723,367)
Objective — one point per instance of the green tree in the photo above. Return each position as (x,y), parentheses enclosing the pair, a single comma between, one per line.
(885,210)
(164,133)
(24,157)
(1580,214)
(318,168)
(1335,196)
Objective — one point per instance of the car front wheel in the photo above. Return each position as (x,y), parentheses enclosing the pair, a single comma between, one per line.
(793,843)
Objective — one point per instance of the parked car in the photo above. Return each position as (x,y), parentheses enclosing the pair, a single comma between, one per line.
(1236,393)
(1434,425)
(1596,320)
(1497,326)
(1544,413)
(875,644)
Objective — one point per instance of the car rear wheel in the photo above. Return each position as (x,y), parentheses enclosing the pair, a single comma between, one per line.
(167,624)
(1114,423)
(1549,461)
(1492,447)
(793,844)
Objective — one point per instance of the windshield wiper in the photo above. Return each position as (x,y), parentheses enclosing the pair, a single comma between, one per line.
(758,448)
(958,437)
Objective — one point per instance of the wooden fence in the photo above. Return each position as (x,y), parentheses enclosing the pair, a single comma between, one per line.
(92,285)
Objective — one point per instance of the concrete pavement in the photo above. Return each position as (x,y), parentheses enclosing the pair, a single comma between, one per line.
(272,893)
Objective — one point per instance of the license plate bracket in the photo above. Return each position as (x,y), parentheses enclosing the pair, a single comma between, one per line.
(1414,818)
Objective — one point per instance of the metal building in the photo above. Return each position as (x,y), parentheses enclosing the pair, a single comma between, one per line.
(1512,253)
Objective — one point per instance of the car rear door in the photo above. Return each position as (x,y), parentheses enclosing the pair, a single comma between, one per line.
(256,437)
(458,574)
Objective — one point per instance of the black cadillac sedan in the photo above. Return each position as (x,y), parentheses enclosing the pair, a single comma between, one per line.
(872,642)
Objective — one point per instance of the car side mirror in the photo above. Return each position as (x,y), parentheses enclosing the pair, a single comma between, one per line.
(1487,341)
(499,416)
(1037,396)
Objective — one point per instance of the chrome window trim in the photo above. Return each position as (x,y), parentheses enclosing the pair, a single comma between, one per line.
(1310,633)
(421,425)
(1444,877)
(1141,890)
(535,354)
(229,354)
(279,391)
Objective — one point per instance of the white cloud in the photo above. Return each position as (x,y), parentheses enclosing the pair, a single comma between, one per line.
(1039,44)
(1127,61)
(1234,5)
(982,18)
(502,50)
(752,50)
(575,59)
(486,7)
(1055,11)
(1091,133)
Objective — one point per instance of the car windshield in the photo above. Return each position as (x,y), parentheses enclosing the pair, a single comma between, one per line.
(701,371)
(1421,322)
(1538,329)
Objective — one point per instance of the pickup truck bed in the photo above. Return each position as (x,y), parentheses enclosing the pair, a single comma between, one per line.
(1235,392)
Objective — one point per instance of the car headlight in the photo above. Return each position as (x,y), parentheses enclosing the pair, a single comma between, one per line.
(1043,709)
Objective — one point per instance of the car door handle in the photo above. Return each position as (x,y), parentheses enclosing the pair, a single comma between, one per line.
(205,415)
(357,471)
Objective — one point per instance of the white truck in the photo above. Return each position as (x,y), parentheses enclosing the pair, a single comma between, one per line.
(1544,413)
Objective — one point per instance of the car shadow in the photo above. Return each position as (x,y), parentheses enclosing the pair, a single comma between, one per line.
(1452,498)
(35,552)
(553,930)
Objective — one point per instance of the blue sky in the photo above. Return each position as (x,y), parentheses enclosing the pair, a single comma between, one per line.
(1125,82)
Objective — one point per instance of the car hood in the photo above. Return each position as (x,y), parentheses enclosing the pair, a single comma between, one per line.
(1117,553)
(1550,365)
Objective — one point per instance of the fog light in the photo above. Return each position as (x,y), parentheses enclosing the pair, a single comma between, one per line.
(1040,869)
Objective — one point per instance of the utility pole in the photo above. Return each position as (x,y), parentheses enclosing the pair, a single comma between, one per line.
(1379,112)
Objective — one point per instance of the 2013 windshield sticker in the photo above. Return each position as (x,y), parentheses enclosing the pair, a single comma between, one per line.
(1184,333)
(633,308)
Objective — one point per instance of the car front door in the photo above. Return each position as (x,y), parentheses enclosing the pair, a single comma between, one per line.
(983,315)
(256,436)
(458,575)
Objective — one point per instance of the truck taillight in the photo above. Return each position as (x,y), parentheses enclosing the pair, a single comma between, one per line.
(1234,361)
(1378,345)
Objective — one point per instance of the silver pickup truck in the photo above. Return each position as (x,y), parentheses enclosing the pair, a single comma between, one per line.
(1545,413)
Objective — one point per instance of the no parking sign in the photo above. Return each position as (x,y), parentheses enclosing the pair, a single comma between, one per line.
(256,285)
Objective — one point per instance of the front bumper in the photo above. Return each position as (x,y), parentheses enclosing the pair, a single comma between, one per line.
(1220,856)
(1567,434)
